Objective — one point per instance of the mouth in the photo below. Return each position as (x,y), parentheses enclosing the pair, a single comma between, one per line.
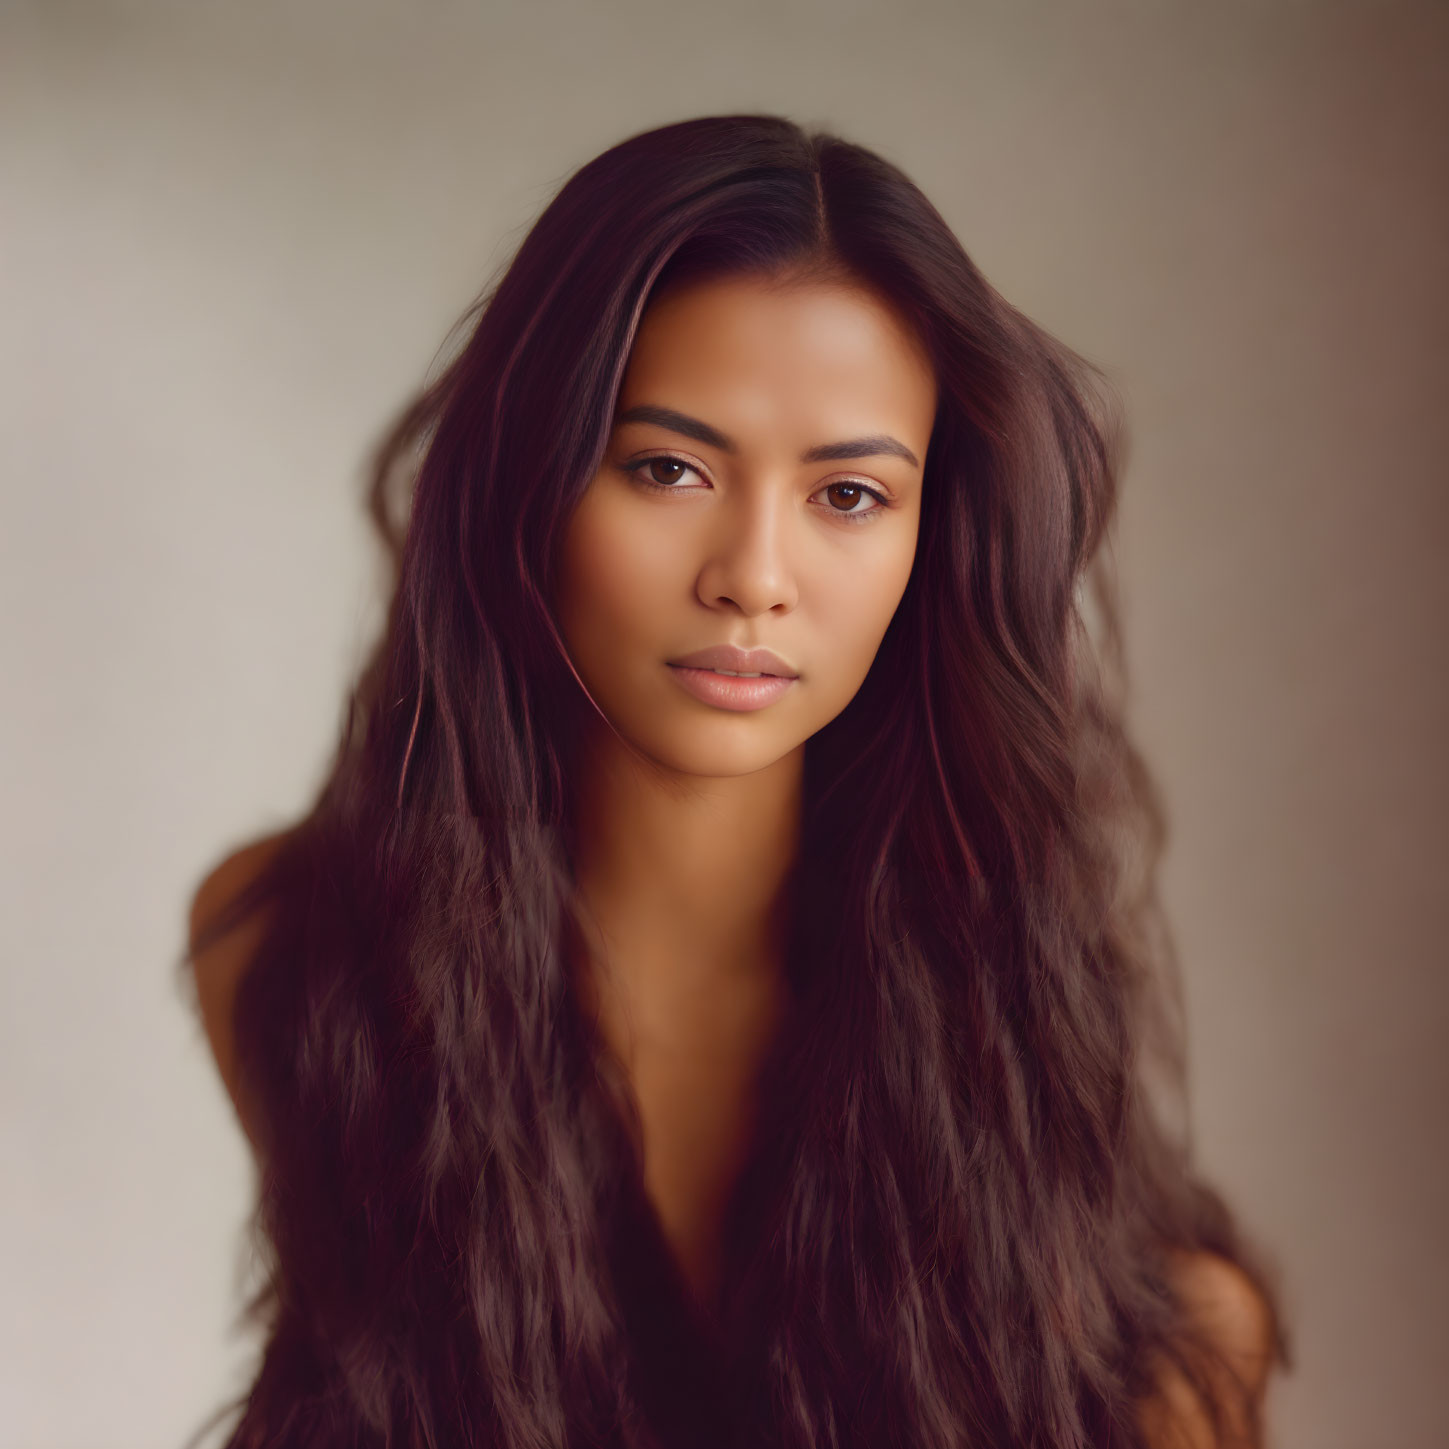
(729,691)
(733,661)
(735,674)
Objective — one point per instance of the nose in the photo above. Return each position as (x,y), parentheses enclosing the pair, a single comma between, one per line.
(747,560)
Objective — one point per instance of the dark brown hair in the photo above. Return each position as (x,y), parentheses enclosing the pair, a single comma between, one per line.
(959,1222)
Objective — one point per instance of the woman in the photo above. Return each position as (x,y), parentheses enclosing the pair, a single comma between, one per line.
(637,1054)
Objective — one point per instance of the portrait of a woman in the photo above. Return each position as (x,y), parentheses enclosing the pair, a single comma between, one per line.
(719,994)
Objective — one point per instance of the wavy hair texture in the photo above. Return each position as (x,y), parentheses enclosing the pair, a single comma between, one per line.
(959,1223)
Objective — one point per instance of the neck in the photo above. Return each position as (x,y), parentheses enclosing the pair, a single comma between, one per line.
(682,879)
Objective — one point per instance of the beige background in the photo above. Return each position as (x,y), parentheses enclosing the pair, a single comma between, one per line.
(234,236)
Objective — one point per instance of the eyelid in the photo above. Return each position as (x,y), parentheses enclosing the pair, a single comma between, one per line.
(653,455)
(871,485)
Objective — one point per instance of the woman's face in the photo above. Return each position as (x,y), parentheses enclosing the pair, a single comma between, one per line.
(761,488)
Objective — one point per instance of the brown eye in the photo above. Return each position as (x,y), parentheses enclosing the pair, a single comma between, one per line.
(659,470)
(665,470)
(852,495)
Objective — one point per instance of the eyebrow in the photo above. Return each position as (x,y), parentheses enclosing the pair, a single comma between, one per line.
(877,445)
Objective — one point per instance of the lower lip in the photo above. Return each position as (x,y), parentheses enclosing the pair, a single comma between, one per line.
(727,691)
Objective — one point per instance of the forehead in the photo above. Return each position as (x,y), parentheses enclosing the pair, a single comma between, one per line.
(753,353)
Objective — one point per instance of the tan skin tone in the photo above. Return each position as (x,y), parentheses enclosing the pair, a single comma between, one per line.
(688,817)
(688,824)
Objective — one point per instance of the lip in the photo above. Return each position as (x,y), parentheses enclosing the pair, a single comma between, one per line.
(740,661)
(726,692)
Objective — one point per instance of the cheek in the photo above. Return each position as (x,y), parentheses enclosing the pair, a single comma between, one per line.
(856,607)
(613,572)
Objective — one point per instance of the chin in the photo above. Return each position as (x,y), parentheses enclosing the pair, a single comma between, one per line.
(721,760)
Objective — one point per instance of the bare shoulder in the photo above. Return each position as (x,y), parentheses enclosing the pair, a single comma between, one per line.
(1235,1317)
(1227,1302)
(219,962)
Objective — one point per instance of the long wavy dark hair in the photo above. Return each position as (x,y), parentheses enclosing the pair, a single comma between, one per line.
(959,1223)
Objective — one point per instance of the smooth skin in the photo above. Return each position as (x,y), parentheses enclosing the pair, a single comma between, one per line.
(688,818)
(688,815)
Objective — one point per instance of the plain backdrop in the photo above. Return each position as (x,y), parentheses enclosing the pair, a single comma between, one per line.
(232,240)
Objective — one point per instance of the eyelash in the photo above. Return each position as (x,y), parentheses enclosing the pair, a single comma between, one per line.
(636,470)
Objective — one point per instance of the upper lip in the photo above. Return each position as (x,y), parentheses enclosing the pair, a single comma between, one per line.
(740,661)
